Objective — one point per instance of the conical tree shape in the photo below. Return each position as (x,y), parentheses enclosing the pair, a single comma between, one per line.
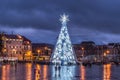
(63,52)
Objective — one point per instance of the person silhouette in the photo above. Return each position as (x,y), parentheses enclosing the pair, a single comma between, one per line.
(59,68)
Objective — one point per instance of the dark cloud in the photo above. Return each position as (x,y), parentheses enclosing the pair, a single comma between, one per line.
(99,16)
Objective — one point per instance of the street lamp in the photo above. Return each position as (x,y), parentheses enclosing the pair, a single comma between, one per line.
(82,48)
(105,54)
(107,51)
(38,51)
(82,53)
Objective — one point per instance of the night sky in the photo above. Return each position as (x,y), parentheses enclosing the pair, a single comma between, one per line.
(38,20)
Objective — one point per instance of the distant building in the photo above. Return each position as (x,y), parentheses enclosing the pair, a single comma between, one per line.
(27,48)
(114,48)
(88,47)
(85,48)
(101,49)
(15,46)
(42,51)
(78,51)
(1,43)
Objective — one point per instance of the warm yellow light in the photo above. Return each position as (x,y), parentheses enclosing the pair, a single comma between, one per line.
(82,69)
(108,51)
(28,71)
(106,72)
(4,50)
(82,48)
(104,54)
(45,70)
(28,53)
(38,50)
(14,50)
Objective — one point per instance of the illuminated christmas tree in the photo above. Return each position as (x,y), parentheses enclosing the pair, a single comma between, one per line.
(63,52)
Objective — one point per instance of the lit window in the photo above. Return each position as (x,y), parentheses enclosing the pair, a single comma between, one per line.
(11,46)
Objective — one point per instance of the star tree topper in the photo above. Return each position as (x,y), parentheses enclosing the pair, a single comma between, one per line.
(64,18)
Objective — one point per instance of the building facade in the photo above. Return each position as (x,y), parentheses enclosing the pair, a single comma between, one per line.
(42,51)
(85,48)
(15,46)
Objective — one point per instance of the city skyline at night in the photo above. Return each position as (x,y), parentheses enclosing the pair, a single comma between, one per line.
(96,21)
(59,39)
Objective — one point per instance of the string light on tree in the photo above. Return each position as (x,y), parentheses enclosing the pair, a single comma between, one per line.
(63,53)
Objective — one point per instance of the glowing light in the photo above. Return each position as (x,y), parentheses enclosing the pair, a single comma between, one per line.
(108,51)
(45,70)
(63,53)
(104,54)
(63,73)
(37,72)
(82,48)
(29,53)
(28,71)
(106,72)
(5,72)
(64,18)
(38,51)
(82,72)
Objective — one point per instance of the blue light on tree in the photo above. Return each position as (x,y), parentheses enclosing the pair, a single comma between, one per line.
(63,52)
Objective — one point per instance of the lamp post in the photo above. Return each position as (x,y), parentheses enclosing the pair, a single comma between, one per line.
(105,54)
(38,51)
(82,53)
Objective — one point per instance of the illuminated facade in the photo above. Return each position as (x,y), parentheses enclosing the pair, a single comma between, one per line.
(42,51)
(63,53)
(15,46)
